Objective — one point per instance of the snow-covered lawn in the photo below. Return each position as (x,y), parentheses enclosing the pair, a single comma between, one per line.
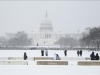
(49,70)
(33,69)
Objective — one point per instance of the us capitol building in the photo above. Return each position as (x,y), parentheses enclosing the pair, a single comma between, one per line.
(46,36)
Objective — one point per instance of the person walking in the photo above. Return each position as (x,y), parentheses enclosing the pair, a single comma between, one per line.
(42,52)
(46,52)
(78,52)
(65,52)
(25,56)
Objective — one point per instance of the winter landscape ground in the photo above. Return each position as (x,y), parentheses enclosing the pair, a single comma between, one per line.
(33,69)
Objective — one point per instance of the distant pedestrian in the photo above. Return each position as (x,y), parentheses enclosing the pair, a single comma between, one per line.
(37,44)
(78,52)
(42,52)
(25,56)
(97,57)
(65,52)
(46,52)
(92,56)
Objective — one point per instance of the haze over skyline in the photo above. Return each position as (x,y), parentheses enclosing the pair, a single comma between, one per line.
(66,16)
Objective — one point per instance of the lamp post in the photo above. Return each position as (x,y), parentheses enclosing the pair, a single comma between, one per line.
(44,44)
(37,44)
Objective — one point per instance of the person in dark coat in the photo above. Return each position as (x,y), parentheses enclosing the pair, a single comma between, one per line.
(92,56)
(25,56)
(42,52)
(97,57)
(78,52)
(65,52)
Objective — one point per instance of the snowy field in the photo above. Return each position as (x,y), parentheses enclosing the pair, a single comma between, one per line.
(33,69)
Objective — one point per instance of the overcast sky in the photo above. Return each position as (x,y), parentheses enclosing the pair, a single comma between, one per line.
(66,16)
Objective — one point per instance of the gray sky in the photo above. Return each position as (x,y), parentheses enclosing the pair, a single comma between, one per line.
(66,16)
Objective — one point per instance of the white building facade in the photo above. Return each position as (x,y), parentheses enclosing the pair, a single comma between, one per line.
(46,36)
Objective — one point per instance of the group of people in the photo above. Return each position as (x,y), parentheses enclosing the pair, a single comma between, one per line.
(79,53)
(42,52)
(46,52)
(94,57)
(56,56)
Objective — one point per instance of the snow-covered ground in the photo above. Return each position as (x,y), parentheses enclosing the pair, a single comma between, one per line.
(49,70)
(33,69)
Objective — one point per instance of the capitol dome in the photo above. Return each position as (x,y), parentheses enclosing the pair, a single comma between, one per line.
(46,21)
(46,25)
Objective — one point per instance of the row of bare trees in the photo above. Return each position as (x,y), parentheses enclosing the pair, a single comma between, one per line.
(20,39)
(90,39)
